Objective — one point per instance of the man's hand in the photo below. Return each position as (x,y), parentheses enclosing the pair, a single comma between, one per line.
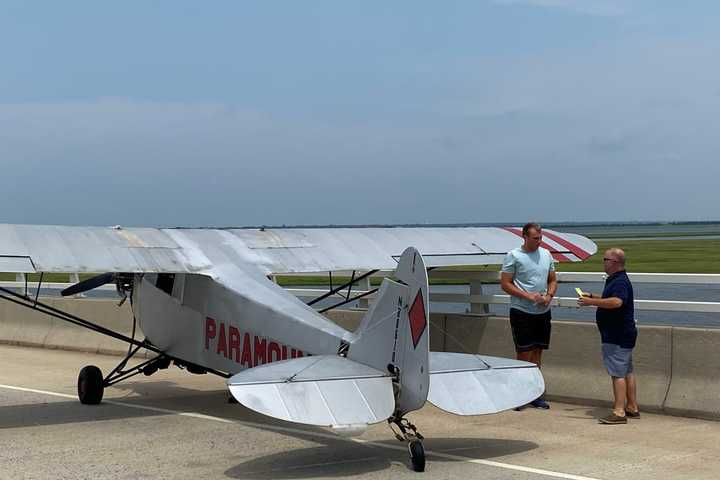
(607,303)
(585,301)
(546,299)
(536,297)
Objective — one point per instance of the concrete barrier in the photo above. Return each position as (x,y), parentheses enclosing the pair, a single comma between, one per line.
(574,371)
(695,386)
(678,368)
(22,326)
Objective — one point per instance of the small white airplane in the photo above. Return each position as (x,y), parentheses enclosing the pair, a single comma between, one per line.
(205,302)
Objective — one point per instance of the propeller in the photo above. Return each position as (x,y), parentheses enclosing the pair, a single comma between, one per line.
(89,284)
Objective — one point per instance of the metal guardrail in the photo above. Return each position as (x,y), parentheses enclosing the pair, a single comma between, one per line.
(478,301)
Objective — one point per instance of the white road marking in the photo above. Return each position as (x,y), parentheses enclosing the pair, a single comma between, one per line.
(479,461)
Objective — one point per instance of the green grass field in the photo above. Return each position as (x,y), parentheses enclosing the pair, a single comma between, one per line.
(48,277)
(657,256)
(647,256)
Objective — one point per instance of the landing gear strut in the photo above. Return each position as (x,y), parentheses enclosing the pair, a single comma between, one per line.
(91,383)
(409,433)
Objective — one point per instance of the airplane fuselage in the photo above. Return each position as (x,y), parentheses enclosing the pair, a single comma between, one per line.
(192,318)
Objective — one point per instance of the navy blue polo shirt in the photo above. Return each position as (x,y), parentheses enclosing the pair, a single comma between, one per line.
(617,325)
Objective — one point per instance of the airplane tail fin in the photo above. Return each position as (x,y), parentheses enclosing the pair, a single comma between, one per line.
(394,334)
(384,374)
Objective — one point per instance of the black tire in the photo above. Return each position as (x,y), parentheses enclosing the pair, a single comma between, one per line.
(90,385)
(417,455)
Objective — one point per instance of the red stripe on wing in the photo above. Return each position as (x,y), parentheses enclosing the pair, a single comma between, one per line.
(577,251)
(555,254)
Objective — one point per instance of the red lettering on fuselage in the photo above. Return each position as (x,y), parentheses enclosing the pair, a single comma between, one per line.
(273,347)
(247,354)
(234,343)
(260,352)
(210,331)
(222,342)
(250,352)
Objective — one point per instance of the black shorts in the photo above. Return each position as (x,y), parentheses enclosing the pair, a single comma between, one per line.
(530,331)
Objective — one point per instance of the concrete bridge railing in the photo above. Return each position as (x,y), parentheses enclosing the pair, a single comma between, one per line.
(678,368)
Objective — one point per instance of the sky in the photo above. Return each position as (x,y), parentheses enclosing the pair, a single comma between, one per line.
(227,113)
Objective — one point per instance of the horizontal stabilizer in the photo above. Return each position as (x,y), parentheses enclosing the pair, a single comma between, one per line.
(325,390)
(466,384)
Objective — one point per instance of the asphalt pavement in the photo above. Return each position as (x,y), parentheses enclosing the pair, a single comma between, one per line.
(178,425)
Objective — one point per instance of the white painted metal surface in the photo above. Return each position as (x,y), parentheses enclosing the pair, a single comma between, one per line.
(14,264)
(322,390)
(395,332)
(272,251)
(466,384)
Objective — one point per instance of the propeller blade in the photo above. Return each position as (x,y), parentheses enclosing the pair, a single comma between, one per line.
(88,284)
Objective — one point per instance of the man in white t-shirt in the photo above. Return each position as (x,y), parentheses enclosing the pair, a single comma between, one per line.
(528,276)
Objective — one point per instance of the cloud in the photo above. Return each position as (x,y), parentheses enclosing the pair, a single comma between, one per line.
(502,139)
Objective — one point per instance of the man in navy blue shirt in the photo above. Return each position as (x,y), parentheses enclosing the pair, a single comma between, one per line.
(615,319)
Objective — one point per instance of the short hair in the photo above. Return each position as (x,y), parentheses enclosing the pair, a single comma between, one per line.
(619,255)
(530,226)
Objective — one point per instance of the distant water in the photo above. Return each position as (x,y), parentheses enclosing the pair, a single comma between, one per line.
(668,231)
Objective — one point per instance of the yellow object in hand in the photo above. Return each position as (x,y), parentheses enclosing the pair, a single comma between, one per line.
(579,292)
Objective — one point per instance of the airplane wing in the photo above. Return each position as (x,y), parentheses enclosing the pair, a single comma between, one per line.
(466,384)
(325,390)
(49,248)
(43,248)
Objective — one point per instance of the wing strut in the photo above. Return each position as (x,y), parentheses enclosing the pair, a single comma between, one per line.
(347,285)
(35,304)
(348,300)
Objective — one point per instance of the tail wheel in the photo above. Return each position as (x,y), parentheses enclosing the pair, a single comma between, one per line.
(90,385)
(417,455)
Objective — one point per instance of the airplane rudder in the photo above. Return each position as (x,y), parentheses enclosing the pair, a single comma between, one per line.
(413,344)
(394,335)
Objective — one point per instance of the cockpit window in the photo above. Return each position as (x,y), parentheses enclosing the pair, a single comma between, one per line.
(165,282)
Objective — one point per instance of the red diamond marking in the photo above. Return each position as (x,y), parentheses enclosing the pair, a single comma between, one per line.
(418,322)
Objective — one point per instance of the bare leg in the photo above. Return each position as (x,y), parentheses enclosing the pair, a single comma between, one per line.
(538,357)
(619,391)
(525,356)
(532,356)
(631,392)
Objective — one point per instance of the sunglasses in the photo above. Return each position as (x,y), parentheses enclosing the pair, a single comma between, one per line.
(609,260)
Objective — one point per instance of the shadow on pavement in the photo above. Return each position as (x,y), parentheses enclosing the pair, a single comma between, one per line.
(341,458)
(330,456)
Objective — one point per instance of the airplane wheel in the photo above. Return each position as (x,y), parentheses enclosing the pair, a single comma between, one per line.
(417,455)
(90,385)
